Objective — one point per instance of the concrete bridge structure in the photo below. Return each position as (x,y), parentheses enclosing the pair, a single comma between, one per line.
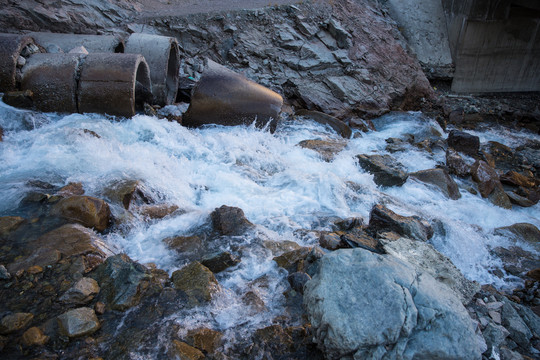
(482,45)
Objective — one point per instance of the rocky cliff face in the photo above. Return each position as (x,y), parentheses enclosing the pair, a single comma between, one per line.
(344,58)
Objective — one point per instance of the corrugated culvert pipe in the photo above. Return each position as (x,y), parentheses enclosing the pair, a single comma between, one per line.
(115,84)
(14,52)
(53,42)
(162,55)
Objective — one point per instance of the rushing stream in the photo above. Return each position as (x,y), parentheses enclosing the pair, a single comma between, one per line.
(281,187)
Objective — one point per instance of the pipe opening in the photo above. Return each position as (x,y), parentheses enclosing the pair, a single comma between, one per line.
(143,87)
(120,48)
(173,64)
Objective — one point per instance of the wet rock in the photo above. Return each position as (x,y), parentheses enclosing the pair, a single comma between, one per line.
(78,322)
(519,332)
(386,170)
(519,200)
(184,244)
(71,189)
(181,350)
(327,149)
(127,193)
(500,198)
(34,337)
(4,274)
(384,219)
(272,339)
(157,211)
(279,247)
(440,179)
(299,260)
(15,322)
(486,177)
(231,221)
(86,210)
(424,256)
(124,282)
(516,260)
(197,281)
(9,224)
(68,240)
(495,335)
(221,262)
(254,302)
(500,156)
(206,340)
(339,126)
(392,310)
(464,142)
(331,241)
(297,280)
(456,164)
(516,179)
(525,232)
(19,99)
(361,239)
(82,292)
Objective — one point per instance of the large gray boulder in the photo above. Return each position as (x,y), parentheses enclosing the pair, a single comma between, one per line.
(383,308)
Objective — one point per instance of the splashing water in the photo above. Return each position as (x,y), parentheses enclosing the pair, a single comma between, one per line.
(280,186)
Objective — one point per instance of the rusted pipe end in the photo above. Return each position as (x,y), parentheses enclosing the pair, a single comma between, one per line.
(92,43)
(163,57)
(11,47)
(52,78)
(226,98)
(108,83)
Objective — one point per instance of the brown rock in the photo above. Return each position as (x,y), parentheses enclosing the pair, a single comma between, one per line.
(197,281)
(220,262)
(383,219)
(534,274)
(517,179)
(157,211)
(15,322)
(519,200)
(82,292)
(9,224)
(184,244)
(71,189)
(86,210)
(525,232)
(440,179)
(34,336)
(456,164)
(254,302)
(99,308)
(500,198)
(127,193)
(78,322)
(385,169)
(361,239)
(290,260)
(331,241)
(279,247)
(36,269)
(229,220)
(206,340)
(181,350)
(486,177)
(339,126)
(1,134)
(19,99)
(68,240)
(464,142)
(500,156)
(327,149)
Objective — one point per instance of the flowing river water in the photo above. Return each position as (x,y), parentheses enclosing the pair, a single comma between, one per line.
(281,187)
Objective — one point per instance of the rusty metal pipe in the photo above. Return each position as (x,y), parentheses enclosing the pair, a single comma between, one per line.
(226,98)
(11,47)
(108,81)
(163,58)
(67,42)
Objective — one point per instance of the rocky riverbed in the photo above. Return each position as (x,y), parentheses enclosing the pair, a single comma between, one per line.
(393,235)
